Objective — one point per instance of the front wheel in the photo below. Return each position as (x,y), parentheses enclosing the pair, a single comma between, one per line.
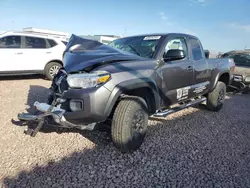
(129,124)
(216,98)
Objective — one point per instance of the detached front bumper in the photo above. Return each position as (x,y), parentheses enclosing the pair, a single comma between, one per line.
(56,113)
(74,108)
(240,82)
(71,108)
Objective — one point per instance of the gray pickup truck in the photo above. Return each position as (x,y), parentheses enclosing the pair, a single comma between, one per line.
(125,82)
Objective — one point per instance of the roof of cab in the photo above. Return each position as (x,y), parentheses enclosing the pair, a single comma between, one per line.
(161,34)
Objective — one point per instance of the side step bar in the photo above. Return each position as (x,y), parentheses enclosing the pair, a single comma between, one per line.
(178,108)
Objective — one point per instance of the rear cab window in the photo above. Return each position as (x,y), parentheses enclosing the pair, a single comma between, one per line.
(196,49)
(13,41)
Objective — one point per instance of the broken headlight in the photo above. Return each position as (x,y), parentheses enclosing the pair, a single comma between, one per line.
(88,80)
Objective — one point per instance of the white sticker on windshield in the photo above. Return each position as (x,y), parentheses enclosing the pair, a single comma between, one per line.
(152,38)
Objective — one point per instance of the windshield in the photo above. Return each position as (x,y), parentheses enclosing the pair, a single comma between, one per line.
(144,46)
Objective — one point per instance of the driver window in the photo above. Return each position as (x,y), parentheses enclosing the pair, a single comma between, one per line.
(176,43)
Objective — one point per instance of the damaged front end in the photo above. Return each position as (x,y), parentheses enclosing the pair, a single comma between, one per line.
(53,112)
(241,77)
(240,83)
(74,89)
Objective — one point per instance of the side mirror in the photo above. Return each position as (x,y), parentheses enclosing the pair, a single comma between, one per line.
(174,54)
(207,53)
(247,80)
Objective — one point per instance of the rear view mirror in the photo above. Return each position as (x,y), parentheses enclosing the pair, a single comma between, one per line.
(174,54)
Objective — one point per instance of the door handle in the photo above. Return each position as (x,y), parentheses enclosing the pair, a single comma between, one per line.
(19,53)
(189,68)
(48,52)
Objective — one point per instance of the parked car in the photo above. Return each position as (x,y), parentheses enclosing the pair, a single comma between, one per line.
(121,84)
(28,53)
(241,80)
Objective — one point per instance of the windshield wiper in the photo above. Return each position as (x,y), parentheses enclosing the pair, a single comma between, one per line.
(134,50)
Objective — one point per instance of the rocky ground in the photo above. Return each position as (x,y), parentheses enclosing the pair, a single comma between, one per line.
(192,148)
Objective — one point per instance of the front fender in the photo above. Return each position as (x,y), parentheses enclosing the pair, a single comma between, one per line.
(130,85)
(215,78)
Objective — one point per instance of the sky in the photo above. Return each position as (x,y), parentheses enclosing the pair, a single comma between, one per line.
(221,25)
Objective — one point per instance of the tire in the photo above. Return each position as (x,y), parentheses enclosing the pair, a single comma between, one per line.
(215,99)
(51,70)
(126,136)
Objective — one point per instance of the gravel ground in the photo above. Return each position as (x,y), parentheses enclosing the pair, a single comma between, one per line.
(192,148)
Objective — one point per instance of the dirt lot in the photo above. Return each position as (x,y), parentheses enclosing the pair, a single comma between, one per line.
(191,148)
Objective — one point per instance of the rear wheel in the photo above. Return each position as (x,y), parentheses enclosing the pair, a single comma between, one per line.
(129,124)
(52,69)
(216,98)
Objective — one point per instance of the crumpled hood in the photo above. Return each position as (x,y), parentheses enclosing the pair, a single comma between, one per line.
(84,54)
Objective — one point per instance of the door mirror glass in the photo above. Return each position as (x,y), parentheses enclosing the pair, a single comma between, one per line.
(247,80)
(174,54)
(207,53)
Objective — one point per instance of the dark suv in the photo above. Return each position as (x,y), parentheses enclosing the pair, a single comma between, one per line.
(241,80)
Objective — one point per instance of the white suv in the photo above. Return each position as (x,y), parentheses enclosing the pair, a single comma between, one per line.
(28,53)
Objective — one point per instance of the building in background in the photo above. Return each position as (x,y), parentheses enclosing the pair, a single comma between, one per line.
(214,53)
(105,39)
